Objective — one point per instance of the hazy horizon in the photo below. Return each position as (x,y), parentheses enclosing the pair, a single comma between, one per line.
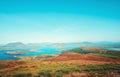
(33,21)
(59,42)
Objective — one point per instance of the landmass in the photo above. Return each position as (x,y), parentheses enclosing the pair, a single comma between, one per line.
(76,62)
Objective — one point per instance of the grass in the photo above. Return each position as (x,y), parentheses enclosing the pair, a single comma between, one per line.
(28,69)
(35,68)
(111,55)
(77,50)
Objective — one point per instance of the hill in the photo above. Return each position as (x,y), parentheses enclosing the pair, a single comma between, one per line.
(15,44)
(84,58)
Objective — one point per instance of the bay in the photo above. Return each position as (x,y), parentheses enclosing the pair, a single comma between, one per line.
(38,52)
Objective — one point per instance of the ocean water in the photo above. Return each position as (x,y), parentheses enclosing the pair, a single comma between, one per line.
(117,49)
(39,52)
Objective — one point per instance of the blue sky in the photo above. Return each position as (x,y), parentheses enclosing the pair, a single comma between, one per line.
(35,21)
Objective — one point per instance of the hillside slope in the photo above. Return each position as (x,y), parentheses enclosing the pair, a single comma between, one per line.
(84,58)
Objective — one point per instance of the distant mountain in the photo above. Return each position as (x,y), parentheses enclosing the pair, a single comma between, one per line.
(38,44)
(75,44)
(65,45)
(15,44)
(108,44)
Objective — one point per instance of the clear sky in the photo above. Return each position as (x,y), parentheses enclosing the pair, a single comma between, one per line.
(35,21)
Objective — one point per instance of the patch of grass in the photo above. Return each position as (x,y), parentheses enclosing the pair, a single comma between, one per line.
(57,69)
(3,66)
(77,50)
(111,55)
(23,75)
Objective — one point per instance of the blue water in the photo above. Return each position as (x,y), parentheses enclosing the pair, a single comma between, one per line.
(39,52)
(117,49)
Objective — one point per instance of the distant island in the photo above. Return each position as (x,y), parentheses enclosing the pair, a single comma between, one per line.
(15,53)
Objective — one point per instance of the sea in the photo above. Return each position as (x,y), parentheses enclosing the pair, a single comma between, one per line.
(40,51)
(116,49)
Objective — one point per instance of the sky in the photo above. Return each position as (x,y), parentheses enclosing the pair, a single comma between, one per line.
(36,21)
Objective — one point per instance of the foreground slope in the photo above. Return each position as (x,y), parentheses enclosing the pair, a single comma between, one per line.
(65,65)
